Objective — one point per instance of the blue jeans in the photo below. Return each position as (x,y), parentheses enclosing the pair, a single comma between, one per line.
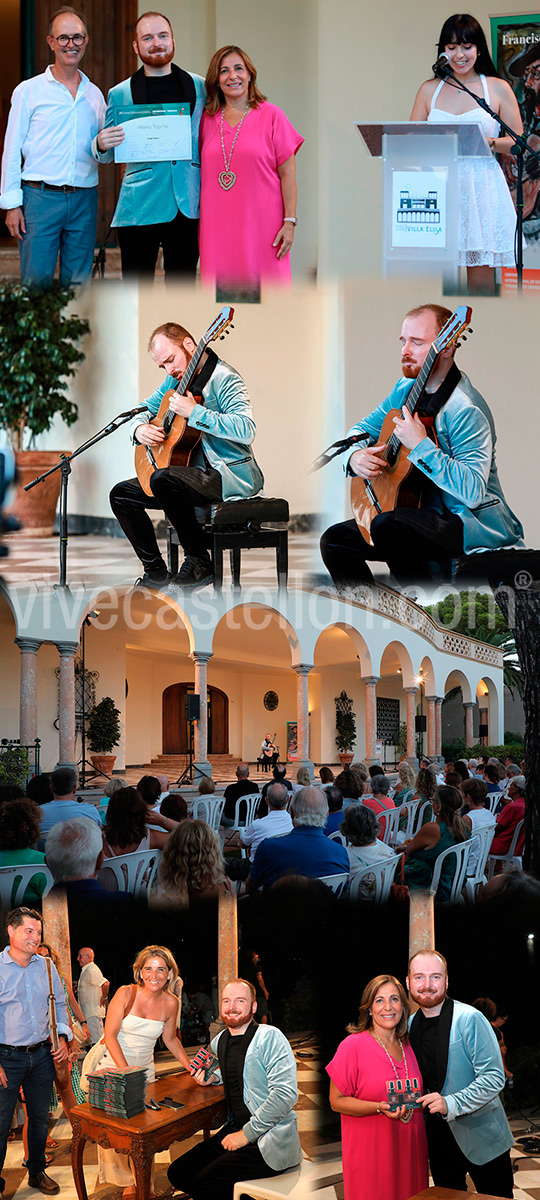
(58,223)
(34,1072)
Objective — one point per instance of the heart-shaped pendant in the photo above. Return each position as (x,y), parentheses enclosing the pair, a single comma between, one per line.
(226,179)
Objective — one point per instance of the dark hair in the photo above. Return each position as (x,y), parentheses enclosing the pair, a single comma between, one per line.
(11,791)
(461,767)
(126,818)
(326,775)
(149,788)
(66,8)
(20,823)
(63,781)
(38,788)
(486,1006)
(476,789)
(174,806)
(365,1020)
(491,773)
(17,915)
(463,28)
(360,825)
(349,784)
(213,90)
(334,798)
(376,769)
(450,801)
(454,779)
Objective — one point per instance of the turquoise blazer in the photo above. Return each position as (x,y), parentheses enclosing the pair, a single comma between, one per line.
(153,192)
(462,465)
(270,1094)
(474,1079)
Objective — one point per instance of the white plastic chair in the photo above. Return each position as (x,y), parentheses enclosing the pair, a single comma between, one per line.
(508,860)
(337,883)
(410,809)
(209,809)
(21,876)
(389,825)
(492,801)
(337,836)
(134,873)
(245,809)
(461,852)
(484,838)
(381,873)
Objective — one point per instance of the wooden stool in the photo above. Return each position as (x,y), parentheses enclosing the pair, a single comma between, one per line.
(237,525)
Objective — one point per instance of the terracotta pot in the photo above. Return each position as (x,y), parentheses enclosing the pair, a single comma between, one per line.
(103,763)
(36,509)
(345,759)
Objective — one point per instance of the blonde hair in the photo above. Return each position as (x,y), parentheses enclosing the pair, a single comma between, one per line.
(406,774)
(192,860)
(156,952)
(365,1020)
(303,776)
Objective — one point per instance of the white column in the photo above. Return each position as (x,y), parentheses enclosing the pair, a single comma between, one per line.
(66,718)
(200,730)
(302,717)
(28,694)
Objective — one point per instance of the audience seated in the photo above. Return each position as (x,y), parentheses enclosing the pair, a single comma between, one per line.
(351,785)
(110,788)
(378,800)
(303,779)
(405,785)
(149,788)
(38,788)
(476,815)
(127,825)
(243,787)
(74,855)
(19,831)
(446,830)
(191,867)
(326,776)
(512,812)
(304,851)
(361,828)
(336,811)
(64,805)
(173,805)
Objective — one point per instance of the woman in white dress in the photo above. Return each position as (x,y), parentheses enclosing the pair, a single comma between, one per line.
(487,218)
(138,1014)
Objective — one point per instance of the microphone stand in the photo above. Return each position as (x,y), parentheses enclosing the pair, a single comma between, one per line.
(519,149)
(64,466)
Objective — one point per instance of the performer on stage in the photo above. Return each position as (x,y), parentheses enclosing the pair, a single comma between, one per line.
(463,509)
(269,752)
(222,465)
(487,217)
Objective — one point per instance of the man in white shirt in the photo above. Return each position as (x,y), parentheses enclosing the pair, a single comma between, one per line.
(92,992)
(277,822)
(49,177)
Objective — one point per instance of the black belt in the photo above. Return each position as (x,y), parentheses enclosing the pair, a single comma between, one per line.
(27,1049)
(52,187)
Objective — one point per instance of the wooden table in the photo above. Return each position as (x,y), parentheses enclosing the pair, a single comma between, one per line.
(440,1193)
(144,1135)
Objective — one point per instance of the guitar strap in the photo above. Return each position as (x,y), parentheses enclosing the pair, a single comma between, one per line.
(201,378)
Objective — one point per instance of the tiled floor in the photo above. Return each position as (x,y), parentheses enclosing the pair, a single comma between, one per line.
(60,1170)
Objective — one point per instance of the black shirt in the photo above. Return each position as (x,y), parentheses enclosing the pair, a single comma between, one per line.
(233,1074)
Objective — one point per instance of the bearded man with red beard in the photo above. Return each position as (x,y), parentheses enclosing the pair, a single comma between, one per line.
(258,1071)
(159,201)
(461,1065)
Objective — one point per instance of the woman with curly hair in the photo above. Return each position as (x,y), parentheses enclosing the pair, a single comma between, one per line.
(384,1158)
(446,830)
(248,178)
(137,1015)
(126,828)
(405,785)
(191,867)
(20,823)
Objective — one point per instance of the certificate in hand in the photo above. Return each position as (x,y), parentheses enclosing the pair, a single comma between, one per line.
(154,133)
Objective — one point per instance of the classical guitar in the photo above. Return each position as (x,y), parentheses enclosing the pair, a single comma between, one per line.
(399,484)
(180,440)
(270,750)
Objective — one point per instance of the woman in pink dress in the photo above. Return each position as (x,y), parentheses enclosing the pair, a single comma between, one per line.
(248,178)
(384,1152)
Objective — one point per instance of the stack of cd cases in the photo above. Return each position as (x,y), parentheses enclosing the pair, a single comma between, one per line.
(121,1091)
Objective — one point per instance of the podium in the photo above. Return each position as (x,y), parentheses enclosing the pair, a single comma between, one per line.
(420,192)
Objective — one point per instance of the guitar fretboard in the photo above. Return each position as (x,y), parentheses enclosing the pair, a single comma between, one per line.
(182,385)
(393,444)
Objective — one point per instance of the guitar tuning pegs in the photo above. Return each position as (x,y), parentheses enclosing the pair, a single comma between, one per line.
(471,330)
(463,338)
(232,326)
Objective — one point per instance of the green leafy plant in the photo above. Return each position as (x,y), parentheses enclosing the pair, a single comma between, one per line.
(14,765)
(345,724)
(104,726)
(38,355)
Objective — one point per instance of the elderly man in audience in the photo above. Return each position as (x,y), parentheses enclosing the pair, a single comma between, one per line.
(243,787)
(74,855)
(277,822)
(304,851)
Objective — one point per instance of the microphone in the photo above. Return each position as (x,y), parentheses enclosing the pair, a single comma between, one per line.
(133,412)
(338,448)
(442,64)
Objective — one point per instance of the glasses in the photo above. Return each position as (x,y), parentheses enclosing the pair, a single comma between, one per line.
(78,39)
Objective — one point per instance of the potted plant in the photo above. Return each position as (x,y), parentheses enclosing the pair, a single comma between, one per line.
(38,355)
(104,734)
(345,728)
(14,765)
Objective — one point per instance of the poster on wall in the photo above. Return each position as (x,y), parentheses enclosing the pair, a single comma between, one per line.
(292,741)
(419,208)
(516,53)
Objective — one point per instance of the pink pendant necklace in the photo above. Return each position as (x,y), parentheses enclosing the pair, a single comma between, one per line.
(227,178)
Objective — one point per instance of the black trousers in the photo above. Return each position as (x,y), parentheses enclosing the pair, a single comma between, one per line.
(449,1166)
(418,545)
(176,492)
(139,246)
(208,1172)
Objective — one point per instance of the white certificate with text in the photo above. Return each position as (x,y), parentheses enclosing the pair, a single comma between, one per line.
(154,133)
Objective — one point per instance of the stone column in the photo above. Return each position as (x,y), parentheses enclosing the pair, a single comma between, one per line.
(28,695)
(469,735)
(227,949)
(421,923)
(431,726)
(438,726)
(56,928)
(371,682)
(411,734)
(200,730)
(302,717)
(66,722)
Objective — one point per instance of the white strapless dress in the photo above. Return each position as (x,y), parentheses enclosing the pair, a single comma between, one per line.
(137,1038)
(487,217)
